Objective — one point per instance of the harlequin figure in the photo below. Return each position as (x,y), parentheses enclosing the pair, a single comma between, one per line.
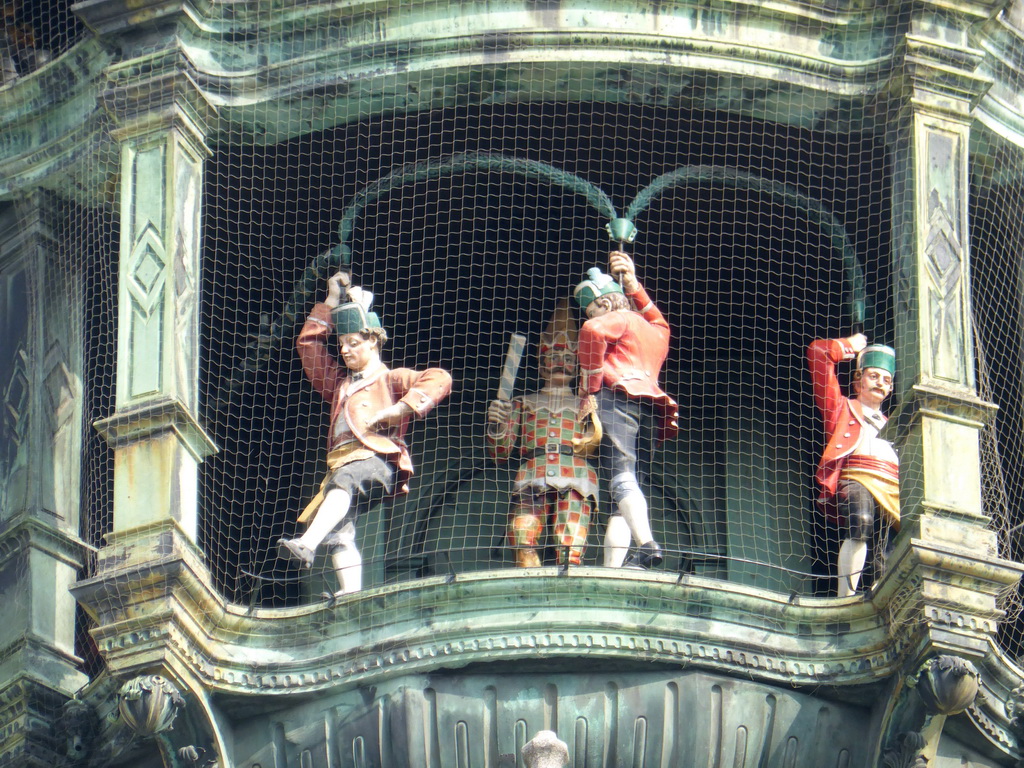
(622,347)
(371,407)
(859,471)
(555,488)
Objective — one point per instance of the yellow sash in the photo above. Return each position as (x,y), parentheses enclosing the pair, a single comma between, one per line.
(338,457)
(884,488)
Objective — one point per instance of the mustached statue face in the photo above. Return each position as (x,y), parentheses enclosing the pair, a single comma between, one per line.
(873,386)
(558,366)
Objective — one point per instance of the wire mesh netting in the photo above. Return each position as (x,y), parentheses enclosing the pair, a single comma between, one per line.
(998,314)
(33,33)
(479,233)
(765,221)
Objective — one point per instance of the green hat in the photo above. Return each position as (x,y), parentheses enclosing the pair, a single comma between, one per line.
(877,356)
(596,284)
(353,318)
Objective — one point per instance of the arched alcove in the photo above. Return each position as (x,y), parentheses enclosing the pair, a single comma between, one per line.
(746,273)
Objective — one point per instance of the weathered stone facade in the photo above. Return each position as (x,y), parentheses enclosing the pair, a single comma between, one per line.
(629,668)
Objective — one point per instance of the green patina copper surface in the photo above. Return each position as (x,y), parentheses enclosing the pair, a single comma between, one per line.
(726,669)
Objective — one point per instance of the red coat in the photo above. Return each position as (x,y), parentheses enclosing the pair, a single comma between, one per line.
(625,349)
(357,401)
(844,419)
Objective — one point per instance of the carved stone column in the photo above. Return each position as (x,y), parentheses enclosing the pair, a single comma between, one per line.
(157,441)
(942,584)
(946,552)
(40,450)
(939,407)
(149,563)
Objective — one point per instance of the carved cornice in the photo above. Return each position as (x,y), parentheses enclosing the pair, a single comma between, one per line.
(943,597)
(334,82)
(165,610)
(24,532)
(944,77)
(106,17)
(52,92)
(51,119)
(969,10)
(163,614)
(156,91)
(1002,109)
(957,405)
(380,54)
(153,418)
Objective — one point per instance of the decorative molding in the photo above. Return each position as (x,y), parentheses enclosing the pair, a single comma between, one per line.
(28,532)
(905,752)
(164,97)
(216,635)
(943,76)
(279,656)
(27,736)
(17,394)
(155,417)
(109,17)
(149,704)
(947,685)
(382,49)
(953,404)
(62,97)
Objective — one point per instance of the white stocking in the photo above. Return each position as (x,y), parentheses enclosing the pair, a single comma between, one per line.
(616,542)
(328,516)
(348,563)
(853,554)
(633,509)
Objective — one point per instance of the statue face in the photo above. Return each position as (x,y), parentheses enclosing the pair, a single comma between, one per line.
(873,386)
(357,351)
(558,367)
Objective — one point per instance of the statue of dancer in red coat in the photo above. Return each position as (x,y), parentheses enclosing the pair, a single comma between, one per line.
(371,407)
(622,347)
(859,471)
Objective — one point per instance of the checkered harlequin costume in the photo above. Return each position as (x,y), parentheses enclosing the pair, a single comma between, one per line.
(553,484)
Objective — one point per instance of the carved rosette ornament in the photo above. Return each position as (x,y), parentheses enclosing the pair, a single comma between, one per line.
(947,685)
(149,704)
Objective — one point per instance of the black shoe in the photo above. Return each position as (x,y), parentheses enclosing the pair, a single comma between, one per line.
(291,549)
(646,555)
